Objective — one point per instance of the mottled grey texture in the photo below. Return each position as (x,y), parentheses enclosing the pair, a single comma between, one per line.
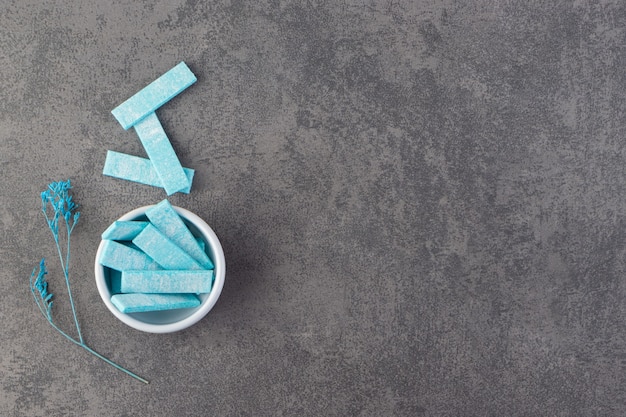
(422,205)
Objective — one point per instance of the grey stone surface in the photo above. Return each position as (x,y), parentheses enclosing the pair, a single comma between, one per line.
(421,204)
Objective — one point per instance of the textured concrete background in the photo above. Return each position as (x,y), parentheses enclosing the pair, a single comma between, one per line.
(421,203)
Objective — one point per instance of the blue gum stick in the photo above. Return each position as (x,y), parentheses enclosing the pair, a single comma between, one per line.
(115,281)
(164,217)
(138,303)
(137,169)
(160,282)
(120,257)
(163,251)
(161,154)
(123,230)
(154,95)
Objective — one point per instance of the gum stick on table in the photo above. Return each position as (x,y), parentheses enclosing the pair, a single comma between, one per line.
(137,169)
(154,95)
(161,154)
(159,282)
(120,257)
(123,230)
(138,303)
(164,217)
(163,251)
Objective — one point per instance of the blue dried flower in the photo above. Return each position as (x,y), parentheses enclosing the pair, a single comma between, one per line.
(41,285)
(56,204)
(59,200)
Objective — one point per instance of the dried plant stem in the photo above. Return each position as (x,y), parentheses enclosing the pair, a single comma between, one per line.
(62,205)
(84,346)
(66,273)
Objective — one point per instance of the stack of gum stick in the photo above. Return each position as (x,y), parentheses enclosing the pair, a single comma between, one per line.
(155,264)
(162,168)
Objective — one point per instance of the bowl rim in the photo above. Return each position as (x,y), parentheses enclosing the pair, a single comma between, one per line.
(206,305)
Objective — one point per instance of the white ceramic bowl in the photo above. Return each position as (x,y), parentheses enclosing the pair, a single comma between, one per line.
(169,320)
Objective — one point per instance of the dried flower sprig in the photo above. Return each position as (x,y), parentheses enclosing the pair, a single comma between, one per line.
(59,209)
(41,285)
